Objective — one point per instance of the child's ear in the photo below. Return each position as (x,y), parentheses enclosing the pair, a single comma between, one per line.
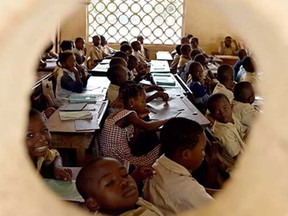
(92,204)
(186,154)
(131,102)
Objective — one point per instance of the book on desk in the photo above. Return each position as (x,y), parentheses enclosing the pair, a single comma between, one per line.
(96,113)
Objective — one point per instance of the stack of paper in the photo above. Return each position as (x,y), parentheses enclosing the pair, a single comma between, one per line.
(64,116)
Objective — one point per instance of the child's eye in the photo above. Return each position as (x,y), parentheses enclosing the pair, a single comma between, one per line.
(109,184)
(30,135)
(46,130)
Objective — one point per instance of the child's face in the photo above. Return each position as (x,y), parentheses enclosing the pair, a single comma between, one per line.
(38,137)
(139,103)
(222,111)
(228,42)
(115,191)
(129,52)
(70,62)
(197,73)
(137,46)
(194,43)
(80,45)
(196,154)
(96,41)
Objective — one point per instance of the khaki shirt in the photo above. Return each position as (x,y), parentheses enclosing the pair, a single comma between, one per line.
(245,112)
(220,88)
(230,136)
(113,92)
(145,209)
(173,189)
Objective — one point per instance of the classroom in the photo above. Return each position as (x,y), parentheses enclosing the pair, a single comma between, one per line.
(131,107)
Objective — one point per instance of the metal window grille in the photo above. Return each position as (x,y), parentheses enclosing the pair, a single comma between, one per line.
(158,21)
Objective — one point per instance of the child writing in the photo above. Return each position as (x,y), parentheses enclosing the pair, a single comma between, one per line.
(242,107)
(108,189)
(226,128)
(226,83)
(173,189)
(73,78)
(47,161)
(121,130)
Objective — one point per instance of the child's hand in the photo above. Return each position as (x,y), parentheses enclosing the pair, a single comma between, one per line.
(142,173)
(61,173)
(163,95)
(143,114)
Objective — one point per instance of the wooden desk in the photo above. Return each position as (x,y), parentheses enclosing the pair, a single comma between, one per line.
(40,76)
(164,55)
(101,68)
(64,134)
(37,98)
(159,66)
(97,85)
(227,59)
(178,105)
(50,65)
(212,67)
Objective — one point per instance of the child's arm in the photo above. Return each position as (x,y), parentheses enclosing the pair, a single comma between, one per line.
(149,126)
(69,84)
(59,172)
(236,46)
(161,94)
(153,88)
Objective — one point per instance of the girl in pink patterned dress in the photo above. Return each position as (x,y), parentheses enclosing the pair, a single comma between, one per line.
(121,129)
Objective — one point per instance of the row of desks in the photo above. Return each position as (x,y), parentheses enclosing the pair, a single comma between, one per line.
(65,135)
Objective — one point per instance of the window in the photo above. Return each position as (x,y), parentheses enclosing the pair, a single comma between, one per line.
(158,21)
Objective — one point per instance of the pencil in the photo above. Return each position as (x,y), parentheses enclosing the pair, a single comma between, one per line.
(177,114)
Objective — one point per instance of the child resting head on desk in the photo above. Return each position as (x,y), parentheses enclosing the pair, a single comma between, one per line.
(47,161)
(173,189)
(108,189)
(73,78)
(122,135)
